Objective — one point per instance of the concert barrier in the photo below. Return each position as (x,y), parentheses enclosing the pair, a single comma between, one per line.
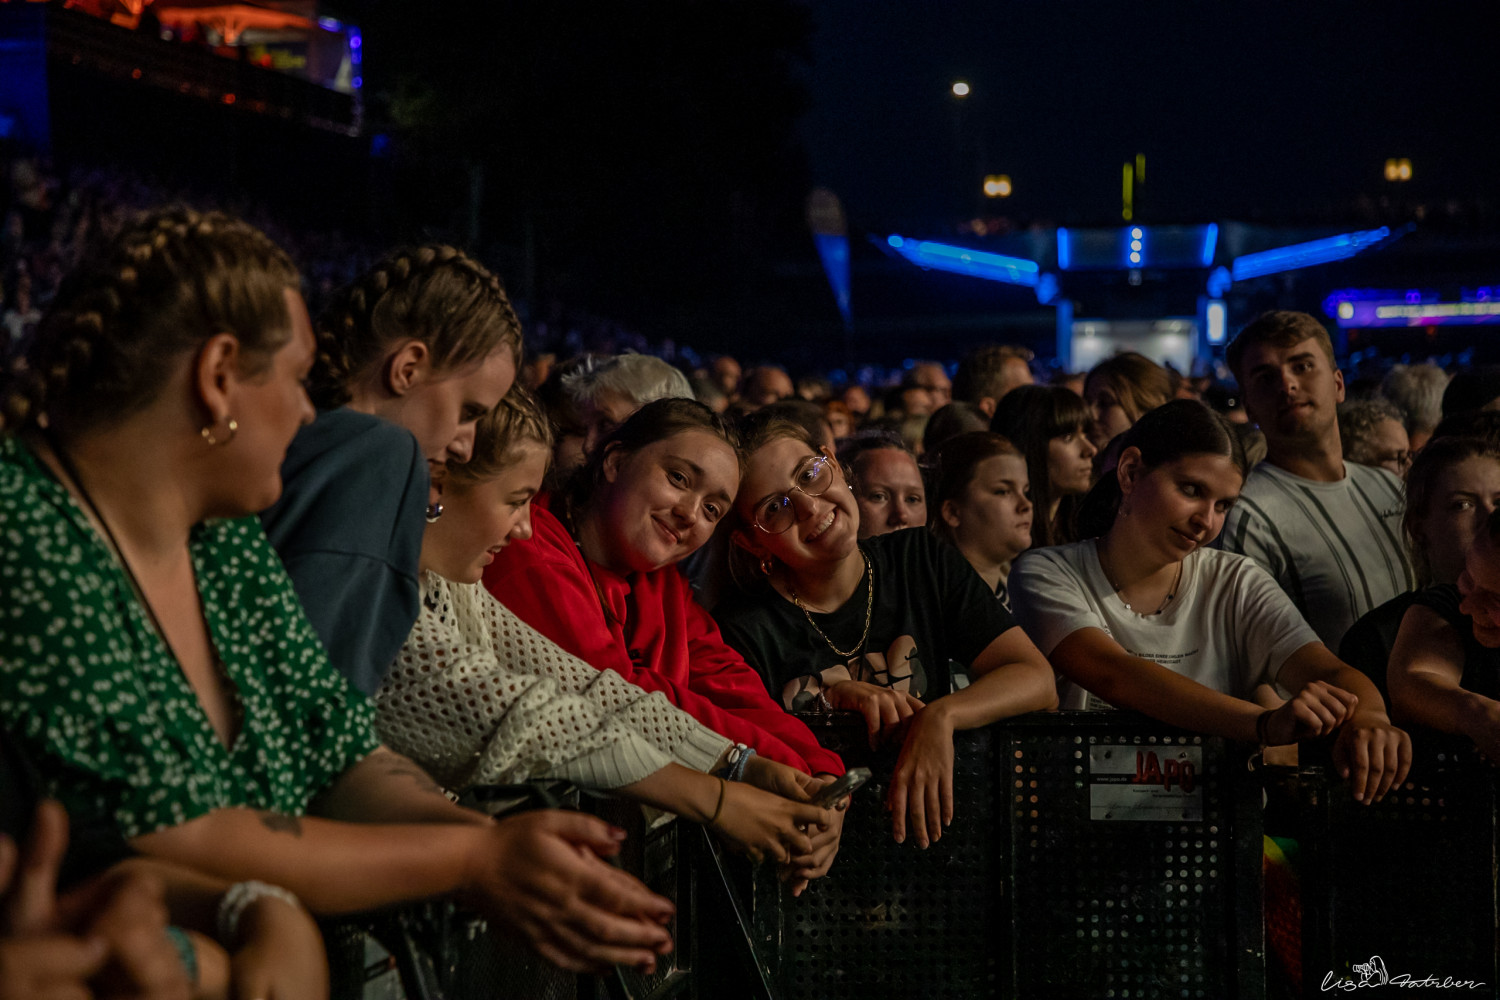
(1401,893)
(1092,855)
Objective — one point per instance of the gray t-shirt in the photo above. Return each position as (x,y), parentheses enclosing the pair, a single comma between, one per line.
(1229,628)
(1335,548)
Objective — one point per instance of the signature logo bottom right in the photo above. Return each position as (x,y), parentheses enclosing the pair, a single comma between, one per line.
(1371,974)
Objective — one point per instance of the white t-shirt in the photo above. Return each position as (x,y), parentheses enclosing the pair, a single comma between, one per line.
(1335,548)
(1229,628)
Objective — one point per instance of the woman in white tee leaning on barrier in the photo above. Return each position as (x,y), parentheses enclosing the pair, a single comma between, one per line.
(1143,616)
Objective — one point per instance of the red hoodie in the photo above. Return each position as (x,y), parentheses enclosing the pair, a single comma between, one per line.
(655,635)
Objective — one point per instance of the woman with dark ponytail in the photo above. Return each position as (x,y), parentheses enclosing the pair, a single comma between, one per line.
(409,358)
(1146,617)
(155,663)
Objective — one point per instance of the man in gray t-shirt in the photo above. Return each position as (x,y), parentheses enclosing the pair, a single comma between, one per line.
(1329,533)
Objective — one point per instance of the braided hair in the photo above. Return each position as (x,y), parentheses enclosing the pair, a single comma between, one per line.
(436,294)
(170,280)
(517,420)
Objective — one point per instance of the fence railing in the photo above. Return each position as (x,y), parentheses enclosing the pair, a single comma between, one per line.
(1092,855)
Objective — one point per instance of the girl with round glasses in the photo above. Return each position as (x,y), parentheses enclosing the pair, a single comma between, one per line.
(599,578)
(871,626)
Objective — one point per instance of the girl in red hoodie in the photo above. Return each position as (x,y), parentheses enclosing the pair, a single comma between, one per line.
(598,577)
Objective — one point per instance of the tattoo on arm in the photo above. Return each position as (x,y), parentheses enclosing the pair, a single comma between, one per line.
(281,823)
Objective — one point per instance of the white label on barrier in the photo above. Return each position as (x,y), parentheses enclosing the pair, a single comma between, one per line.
(1145,783)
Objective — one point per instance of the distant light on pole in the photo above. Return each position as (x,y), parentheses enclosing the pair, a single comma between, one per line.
(960,89)
(997,186)
(1398,169)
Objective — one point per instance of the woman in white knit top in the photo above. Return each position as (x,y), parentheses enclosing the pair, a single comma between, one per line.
(477,696)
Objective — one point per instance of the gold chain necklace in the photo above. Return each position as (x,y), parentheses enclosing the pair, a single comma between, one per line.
(869,606)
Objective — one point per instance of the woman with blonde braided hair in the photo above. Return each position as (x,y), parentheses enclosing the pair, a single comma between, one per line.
(155,663)
(409,358)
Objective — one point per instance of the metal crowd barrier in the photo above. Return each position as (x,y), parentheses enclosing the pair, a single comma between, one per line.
(1401,894)
(1092,855)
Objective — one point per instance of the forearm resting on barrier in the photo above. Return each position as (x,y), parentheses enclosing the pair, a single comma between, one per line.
(1425,679)
(1096,662)
(386,787)
(539,874)
(1370,753)
(756,823)
(333,867)
(1011,677)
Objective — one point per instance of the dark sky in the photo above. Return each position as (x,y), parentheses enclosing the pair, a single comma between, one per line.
(1241,108)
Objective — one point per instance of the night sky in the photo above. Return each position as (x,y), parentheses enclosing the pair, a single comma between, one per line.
(1242,109)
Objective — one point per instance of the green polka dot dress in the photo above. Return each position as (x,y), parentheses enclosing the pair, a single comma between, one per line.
(95,695)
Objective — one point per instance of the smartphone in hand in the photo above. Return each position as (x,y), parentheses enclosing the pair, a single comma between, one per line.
(831,793)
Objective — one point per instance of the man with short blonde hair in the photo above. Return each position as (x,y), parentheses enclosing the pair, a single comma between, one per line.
(1328,531)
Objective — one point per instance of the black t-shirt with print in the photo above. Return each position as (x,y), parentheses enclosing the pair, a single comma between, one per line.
(930,608)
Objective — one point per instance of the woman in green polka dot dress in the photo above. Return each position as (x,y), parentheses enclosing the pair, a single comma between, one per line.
(154,659)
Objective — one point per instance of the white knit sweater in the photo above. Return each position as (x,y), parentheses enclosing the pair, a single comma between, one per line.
(477,696)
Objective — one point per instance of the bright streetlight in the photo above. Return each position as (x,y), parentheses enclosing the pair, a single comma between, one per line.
(1398,169)
(997,186)
(960,89)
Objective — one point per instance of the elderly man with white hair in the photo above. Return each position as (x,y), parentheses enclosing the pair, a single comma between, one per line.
(605,390)
(1417,391)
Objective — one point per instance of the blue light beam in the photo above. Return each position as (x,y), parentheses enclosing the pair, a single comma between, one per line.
(1298,255)
(963,260)
(1210,243)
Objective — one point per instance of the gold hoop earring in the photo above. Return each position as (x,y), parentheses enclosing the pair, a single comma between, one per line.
(208,433)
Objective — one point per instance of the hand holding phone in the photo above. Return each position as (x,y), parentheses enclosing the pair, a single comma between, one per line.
(845,785)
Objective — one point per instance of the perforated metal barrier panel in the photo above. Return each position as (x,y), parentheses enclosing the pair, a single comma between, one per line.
(893,920)
(1127,844)
(1092,856)
(1406,887)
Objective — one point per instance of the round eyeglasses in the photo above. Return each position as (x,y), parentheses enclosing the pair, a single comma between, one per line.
(774,514)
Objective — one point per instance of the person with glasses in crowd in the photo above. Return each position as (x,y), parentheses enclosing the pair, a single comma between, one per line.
(599,578)
(871,626)
(1372,434)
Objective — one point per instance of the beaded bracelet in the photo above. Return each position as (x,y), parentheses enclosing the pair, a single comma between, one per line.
(738,758)
(185,951)
(734,761)
(238,899)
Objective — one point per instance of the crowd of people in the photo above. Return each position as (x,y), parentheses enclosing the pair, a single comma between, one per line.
(280,588)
